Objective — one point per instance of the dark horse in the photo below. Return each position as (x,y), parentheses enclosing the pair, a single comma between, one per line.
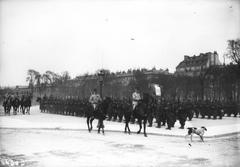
(141,113)
(15,104)
(25,103)
(99,113)
(7,104)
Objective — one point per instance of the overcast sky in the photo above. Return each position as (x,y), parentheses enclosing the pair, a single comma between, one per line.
(82,36)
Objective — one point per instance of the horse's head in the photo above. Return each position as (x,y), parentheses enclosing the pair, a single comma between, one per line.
(204,128)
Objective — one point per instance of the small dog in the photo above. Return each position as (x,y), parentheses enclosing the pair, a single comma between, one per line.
(197,131)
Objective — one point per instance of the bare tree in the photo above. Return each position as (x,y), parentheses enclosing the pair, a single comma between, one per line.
(65,77)
(234,51)
(53,77)
(32,77)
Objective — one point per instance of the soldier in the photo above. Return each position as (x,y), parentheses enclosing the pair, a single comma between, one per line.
(152,106)
(182,116)
(159,113)
(169,115)
(188,106)
(164,112)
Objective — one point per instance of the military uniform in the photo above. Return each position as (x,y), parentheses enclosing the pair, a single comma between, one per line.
(182,116)
(94,100)
(135,97)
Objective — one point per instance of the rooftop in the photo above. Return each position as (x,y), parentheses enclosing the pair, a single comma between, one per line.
(195,60)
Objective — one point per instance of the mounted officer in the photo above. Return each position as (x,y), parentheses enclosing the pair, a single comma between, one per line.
(95,99)
(136,97)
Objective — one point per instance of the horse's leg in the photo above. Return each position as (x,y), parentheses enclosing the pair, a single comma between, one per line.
(23,110)
(103,131)
(88,124)
(126,122)
(144,127)
(125,129)
(201,138)
(5,110)
(9,110)
(99,126)
(127,119)
(102,125)
(91,120)
(140,125)
(129,132)
(27,111)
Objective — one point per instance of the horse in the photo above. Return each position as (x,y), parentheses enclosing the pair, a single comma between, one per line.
(7,105)
(99,113)
(22,106)
(25,104)
(15,102)
(28,104)
(141,113)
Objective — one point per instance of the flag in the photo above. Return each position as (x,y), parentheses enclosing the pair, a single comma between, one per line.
(157,90)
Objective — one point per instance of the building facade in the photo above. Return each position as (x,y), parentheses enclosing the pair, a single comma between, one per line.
(193,66)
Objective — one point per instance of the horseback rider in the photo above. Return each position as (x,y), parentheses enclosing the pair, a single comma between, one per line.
(136,97)
(95,99)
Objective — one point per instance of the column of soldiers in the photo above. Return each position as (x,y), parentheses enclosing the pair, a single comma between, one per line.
(163,112)
(66,106)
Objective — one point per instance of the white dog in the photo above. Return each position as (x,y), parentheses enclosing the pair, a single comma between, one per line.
(197,131)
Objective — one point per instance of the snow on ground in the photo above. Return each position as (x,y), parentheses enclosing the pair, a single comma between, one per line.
(42,139)
(55,148)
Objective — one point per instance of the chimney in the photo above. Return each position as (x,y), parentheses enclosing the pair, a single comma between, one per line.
(186,57)
(216,62)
